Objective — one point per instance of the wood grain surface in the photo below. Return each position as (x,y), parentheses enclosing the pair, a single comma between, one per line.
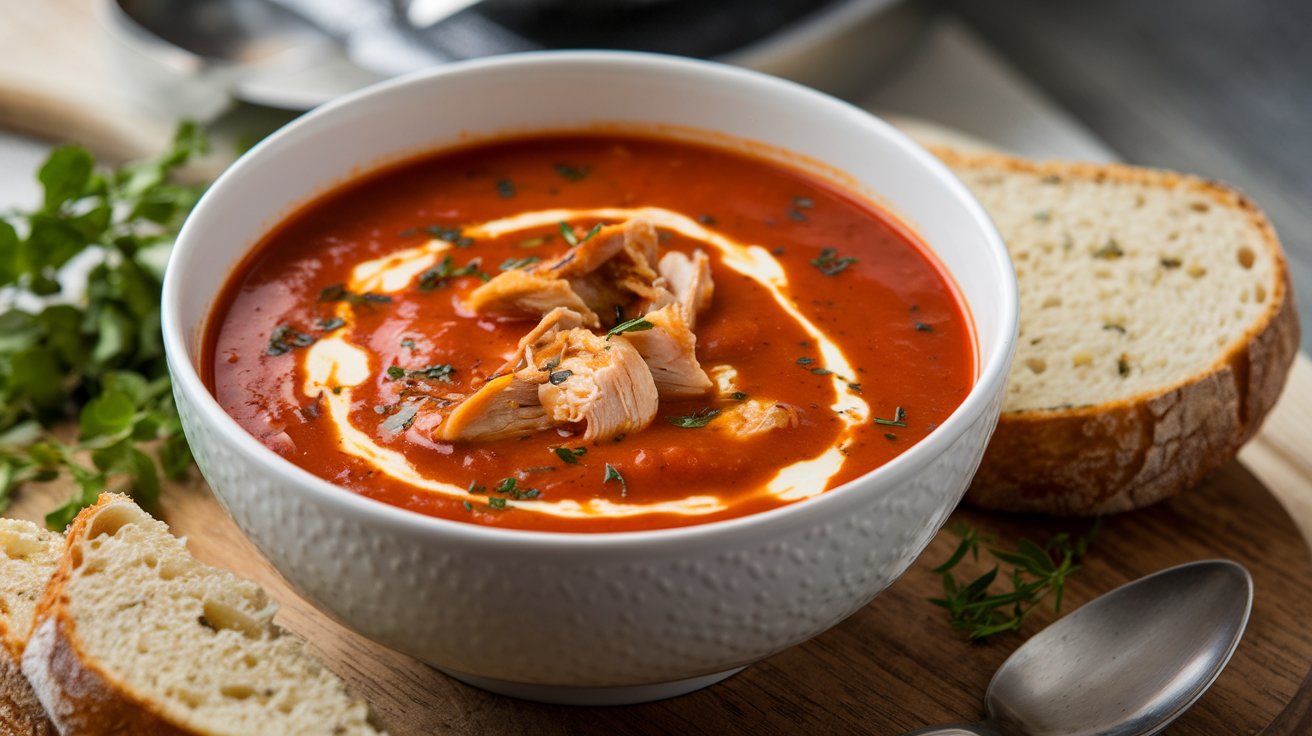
(892,666)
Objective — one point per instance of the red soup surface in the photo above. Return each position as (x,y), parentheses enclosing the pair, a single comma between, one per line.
(372,337)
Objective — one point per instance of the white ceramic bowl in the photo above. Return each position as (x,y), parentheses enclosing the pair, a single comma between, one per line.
(587,618)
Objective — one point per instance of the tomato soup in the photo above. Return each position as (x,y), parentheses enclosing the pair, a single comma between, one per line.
(589,333)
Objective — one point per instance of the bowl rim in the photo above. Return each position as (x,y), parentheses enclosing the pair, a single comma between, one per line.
(990,377)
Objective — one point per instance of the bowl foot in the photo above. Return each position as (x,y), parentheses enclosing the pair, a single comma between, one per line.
(570,695)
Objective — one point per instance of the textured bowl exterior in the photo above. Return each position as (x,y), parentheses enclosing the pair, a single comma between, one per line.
(585,617)
(588,610)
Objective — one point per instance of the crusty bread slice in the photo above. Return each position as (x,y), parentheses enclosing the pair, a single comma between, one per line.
(28,555)
(1157,328)
(135,636)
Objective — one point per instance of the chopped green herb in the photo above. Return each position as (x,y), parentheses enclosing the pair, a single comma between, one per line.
(505,188)
(613,474)
(568,455)
(830,263)
(567,233)
(637,324)
(496,502)
(328,325)
(443,272)
(452,235)
(559,377)
(898,420)
(738,396)
(551,364)
(513,264)
(402,419)
(854,387)
(890,436)
(285,337)
(591,232)
(573,173)
(339,293)
(474,488)
(922,327)
(507,485)
(694,420)
(821,371)
(706,219)
(440,372)
(796,215)
(805,361)
(408,344)
(337,390)
(469,506)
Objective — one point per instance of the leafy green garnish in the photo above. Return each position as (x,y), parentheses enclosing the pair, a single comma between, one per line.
(898,420)
(572,172)
(439,372)
(637,324)
(285,337)
(694,420)
(613,474)
(567,233)
(1036,573)
(558,377)
(452,235)
(830,263)
(570,455)
(505,188)
(443,272)
(513,264)
(98,356)
(339,293)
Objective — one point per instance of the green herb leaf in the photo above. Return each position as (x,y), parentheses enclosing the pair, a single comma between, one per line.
(694,420)
(830,263)
(898,420)
(567,233)
(95,357)
(513,264)
(339,293)
(558,377)
(570,456)
(613,474)
(446,270)
(1036,572)
(637,324)
(572,172)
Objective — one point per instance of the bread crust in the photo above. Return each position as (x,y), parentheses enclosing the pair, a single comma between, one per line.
(1133,452)
(21,713)
(79,697)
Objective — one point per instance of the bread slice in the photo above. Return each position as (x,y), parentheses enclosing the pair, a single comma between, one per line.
(1157,327)
(135,636)
(28,555)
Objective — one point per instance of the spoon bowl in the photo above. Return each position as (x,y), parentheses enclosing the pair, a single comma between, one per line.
(1126,664)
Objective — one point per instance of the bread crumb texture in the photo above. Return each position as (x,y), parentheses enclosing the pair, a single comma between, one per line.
(1126,286)
(195,644)
(1156,331)
(28,555)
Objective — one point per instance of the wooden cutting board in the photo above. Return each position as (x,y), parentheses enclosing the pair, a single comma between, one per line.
(893,666)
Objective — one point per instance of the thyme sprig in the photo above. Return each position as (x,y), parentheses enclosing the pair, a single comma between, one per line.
(1036,573)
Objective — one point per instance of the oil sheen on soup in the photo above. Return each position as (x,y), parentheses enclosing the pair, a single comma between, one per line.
(589,333)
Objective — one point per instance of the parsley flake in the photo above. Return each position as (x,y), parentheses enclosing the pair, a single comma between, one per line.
(898,420)
(695,420)
(514,264)
(339,293)
(570,455)
(285,337)
(637,324)
(613,474)
(830,263)
(558,377)
(571,172)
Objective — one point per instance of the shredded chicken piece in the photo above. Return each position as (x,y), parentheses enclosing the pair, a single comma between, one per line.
(506,406)
(689,279)
(755,416)
(604,384)
(670,351)
(540,345)
(520,294)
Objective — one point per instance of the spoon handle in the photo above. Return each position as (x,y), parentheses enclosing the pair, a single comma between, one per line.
(955,729)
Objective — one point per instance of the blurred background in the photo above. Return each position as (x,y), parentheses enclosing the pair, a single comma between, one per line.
(1210,87)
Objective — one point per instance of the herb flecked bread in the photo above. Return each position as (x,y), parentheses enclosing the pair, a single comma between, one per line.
(135,636)
(1157,327)
(28,555)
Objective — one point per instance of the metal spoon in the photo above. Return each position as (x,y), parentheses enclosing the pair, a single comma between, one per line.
(1125,664)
